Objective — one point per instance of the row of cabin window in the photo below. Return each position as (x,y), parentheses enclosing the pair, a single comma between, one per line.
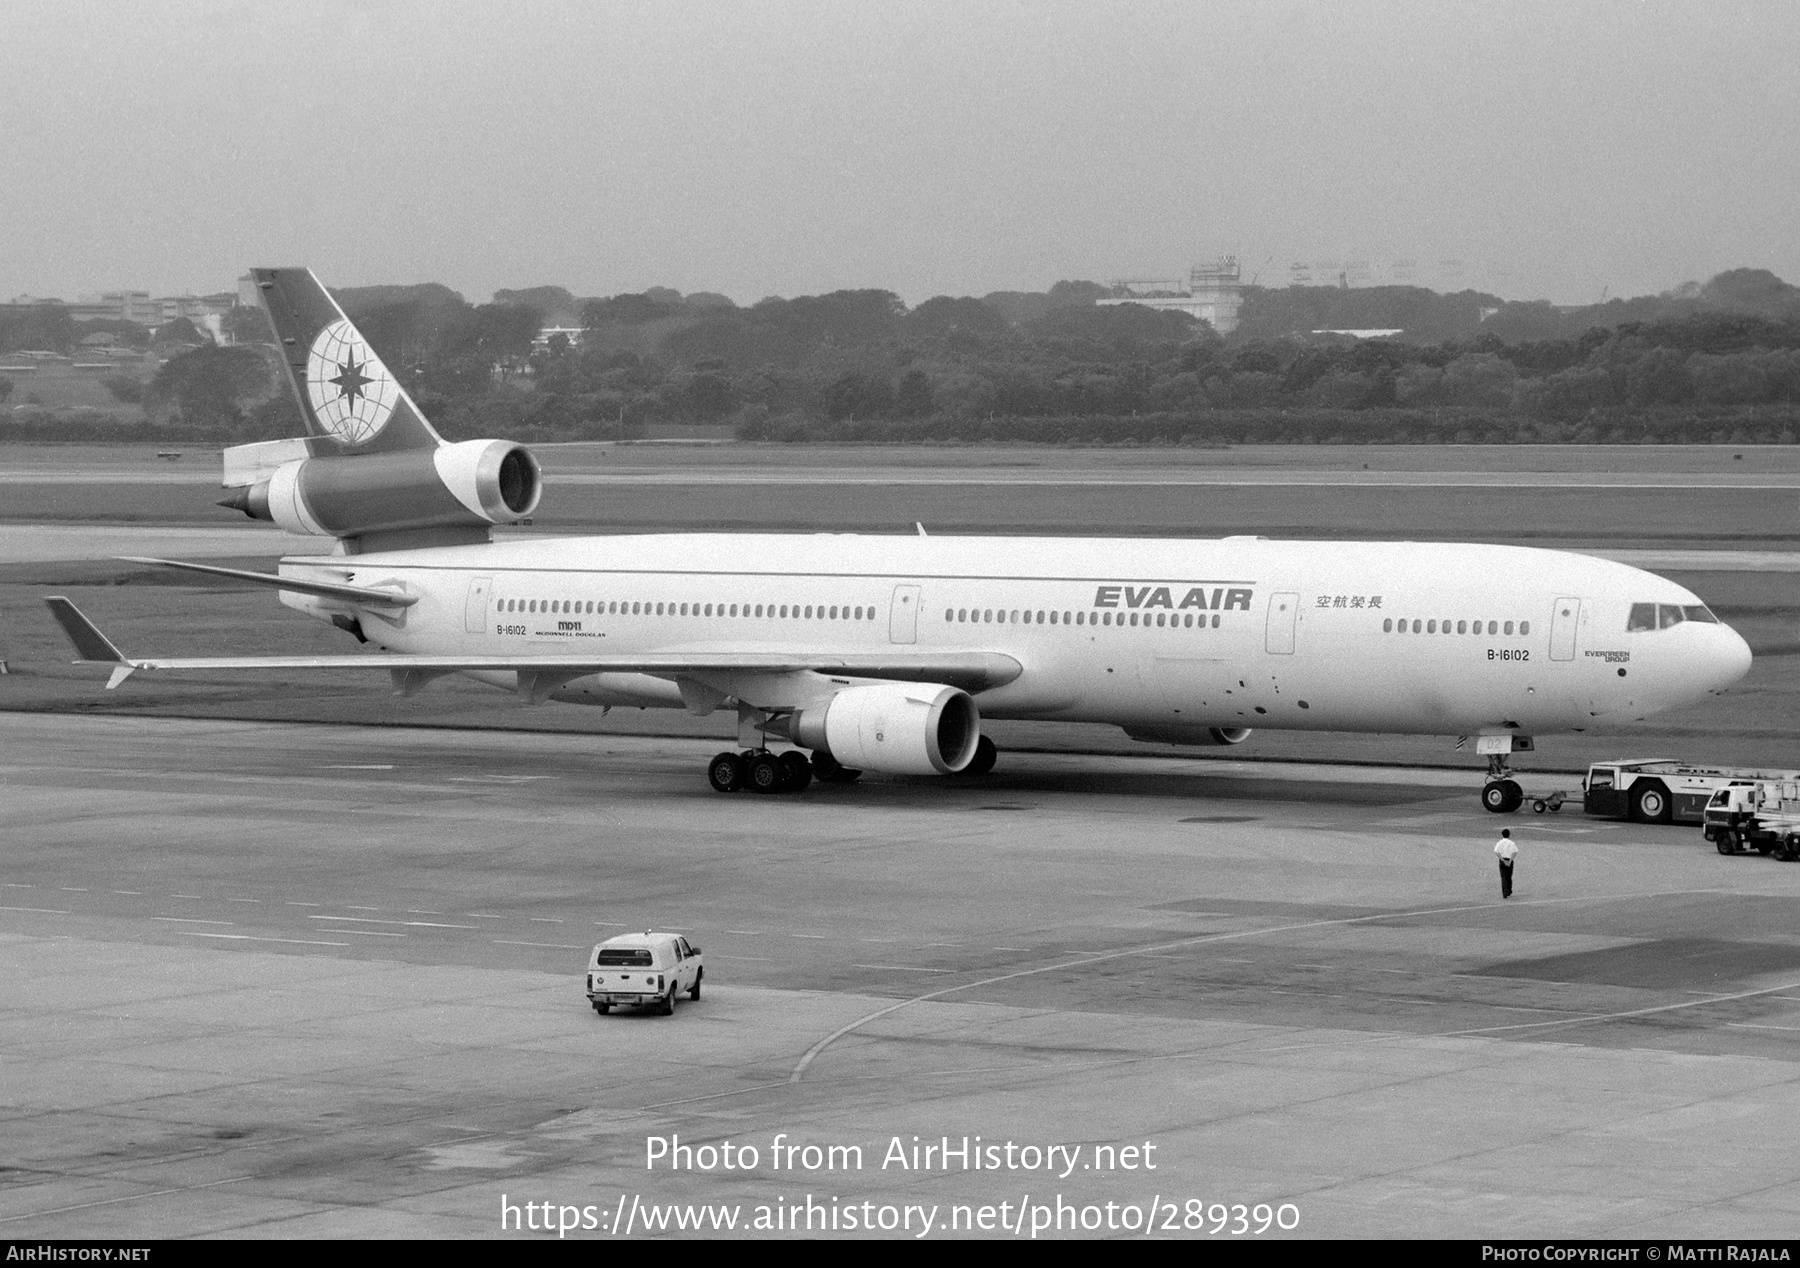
(1000,616)
(792,611)
(1462,627)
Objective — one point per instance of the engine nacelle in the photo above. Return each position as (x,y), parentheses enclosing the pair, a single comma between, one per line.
(1200,736)
(471,484)
(898,728)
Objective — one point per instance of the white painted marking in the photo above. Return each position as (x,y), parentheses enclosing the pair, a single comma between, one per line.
(132,893)
(368,933)
(244,937)
(547,920)
(412,924)
(760,959)
(482,915)
(1750,1025)
(943,944)
(354,907)
(42,911)
(184,895)
(305,904)
(552,946)
(371,767)
(819,936)
(748,933)
(72,889)
(243,900)
(1011,948)
(12,885)
(130,1197)
(905,968)
(420,911)
(189,920)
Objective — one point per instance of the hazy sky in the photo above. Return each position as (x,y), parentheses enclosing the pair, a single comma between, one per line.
(790,148)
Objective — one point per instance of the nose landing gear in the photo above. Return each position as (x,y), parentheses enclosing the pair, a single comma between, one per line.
(1501,794)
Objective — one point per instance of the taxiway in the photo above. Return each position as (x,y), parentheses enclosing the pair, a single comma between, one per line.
(289,980)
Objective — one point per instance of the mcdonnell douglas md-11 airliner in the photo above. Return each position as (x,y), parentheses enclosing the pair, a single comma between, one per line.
(884,653)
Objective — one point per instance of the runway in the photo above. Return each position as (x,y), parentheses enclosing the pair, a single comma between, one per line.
(288,980)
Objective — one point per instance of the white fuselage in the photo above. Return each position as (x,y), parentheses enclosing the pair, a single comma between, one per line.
(1155,635)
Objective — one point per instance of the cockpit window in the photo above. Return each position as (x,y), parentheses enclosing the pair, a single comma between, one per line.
(1660,616)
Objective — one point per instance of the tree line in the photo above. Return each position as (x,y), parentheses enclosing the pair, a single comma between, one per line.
(1714,361)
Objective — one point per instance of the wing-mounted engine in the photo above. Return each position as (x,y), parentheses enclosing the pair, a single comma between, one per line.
(897,728)
(444,494)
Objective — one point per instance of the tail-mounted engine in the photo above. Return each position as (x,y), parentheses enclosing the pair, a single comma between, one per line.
(371,471)
(896,728)
(449,493)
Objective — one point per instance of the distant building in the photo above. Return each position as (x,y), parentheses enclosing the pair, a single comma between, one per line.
(541,341)
(1213,293)
(196,308)
(132,306)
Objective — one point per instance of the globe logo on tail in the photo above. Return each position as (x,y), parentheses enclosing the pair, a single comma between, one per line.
(351,392)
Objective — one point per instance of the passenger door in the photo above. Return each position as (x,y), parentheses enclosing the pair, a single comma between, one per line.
(1284,610)
(476,608)
(903,618)
(1565,620)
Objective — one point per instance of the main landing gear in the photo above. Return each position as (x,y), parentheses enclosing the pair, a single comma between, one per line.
(762,771)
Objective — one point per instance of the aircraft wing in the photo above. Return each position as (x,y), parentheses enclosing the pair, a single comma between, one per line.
(972,671)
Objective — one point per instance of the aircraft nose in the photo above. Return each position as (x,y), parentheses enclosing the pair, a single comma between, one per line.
(1727,661)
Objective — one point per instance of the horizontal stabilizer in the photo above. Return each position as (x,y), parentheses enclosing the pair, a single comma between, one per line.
(369,595)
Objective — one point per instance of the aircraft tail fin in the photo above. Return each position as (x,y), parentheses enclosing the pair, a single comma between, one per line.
(345,393)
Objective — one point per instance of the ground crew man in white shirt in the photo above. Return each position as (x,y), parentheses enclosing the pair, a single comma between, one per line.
(1508,850)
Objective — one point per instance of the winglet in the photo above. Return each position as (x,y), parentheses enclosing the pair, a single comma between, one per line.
(90,644)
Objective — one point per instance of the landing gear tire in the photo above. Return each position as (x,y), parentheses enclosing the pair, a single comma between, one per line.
(1650,804)
(694,990)
(799,770)
(1539,806)
(1502,797)
(603,1009)
(767,774)
(726,772)
(985,757)
(668,1002)
(1790,850)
